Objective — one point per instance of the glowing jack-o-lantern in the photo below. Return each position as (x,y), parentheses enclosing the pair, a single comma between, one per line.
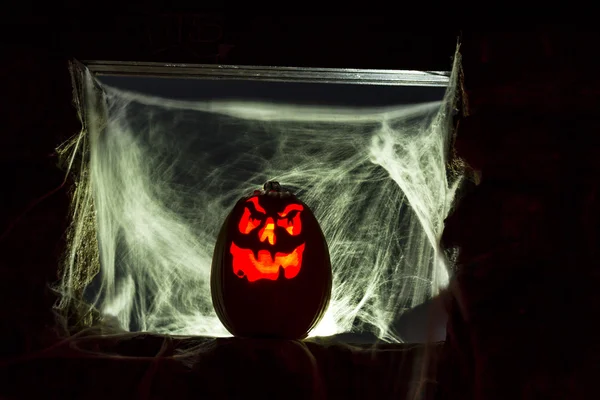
(271,272)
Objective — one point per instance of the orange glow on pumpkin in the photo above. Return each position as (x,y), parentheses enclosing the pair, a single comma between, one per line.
(254,200)
(265,267)
(292,226)
(268,232)
(290,208)
(248,224)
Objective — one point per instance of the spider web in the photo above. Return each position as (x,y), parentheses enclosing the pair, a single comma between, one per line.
(155,178)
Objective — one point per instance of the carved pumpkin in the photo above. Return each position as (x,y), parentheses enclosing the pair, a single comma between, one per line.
(271,273)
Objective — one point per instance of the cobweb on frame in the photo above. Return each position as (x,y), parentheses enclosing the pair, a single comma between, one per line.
(157,172)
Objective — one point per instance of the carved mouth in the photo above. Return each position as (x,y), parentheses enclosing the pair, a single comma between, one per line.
(264,265)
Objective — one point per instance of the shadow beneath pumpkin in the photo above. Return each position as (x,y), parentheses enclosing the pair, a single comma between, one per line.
(141,365)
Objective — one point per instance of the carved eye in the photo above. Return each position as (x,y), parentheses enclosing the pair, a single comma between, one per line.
(252,217)
(248,223)
(290,219)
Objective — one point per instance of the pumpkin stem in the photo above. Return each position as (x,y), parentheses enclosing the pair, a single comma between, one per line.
(272,186)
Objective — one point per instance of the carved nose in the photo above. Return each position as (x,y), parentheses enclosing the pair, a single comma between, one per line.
(268,231)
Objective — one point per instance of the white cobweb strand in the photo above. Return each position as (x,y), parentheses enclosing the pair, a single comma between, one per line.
(164,174)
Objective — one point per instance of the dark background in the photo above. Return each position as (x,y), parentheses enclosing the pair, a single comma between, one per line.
(528,232)
(180,34)
(39,115)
